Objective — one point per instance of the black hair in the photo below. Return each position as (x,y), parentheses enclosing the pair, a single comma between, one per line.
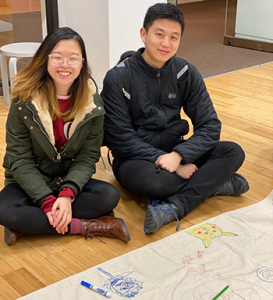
(59,34)
(163,11)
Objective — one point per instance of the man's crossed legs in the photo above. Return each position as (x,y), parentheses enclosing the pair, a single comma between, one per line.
(171,196)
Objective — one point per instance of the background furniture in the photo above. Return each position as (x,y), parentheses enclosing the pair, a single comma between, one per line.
(15,51)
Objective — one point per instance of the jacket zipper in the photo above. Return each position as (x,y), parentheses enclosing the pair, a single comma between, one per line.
(69,142)
(58,154)
(157,101)
(158,87)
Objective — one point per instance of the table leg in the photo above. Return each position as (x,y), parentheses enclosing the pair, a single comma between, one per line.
(12,70)
(5,79)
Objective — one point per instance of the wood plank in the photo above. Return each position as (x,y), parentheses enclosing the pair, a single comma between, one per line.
(77,247)
(65,262)
(7,292)
(42,245)
(33,262)
(7,264)
(23,281)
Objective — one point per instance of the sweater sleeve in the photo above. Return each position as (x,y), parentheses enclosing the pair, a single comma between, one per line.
(48,204)
(207,127)
(118,126)
(67,192)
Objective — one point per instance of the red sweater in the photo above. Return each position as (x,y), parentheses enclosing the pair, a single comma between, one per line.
(61,133)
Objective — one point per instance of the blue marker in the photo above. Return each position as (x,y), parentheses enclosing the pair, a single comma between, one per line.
(96,289)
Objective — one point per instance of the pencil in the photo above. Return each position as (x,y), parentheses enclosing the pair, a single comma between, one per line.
(217,296)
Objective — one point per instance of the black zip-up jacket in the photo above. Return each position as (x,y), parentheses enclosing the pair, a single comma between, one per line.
(143,110)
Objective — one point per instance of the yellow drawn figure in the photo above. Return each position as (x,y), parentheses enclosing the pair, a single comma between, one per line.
(207,232)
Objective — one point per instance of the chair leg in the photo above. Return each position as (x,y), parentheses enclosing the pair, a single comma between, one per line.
(12,70)
(5,79)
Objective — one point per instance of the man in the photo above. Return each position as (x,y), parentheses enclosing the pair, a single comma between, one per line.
(143,98)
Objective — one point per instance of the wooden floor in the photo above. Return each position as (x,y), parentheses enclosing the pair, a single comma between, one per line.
(244,102)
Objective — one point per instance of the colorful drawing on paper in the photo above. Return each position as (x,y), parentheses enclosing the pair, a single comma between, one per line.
(265,274)
(207,232)
(238,289)
(194,263)
(122,285)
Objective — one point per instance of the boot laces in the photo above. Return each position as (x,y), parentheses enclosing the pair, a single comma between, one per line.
(93,232)
(90,235)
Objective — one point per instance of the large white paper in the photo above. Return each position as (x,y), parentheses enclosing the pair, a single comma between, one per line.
(234,249)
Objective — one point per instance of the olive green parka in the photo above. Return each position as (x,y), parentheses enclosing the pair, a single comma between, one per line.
(33,161)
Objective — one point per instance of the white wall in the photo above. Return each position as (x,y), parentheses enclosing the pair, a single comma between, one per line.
(91,21)
(125,20)
(108,28)
(254,20)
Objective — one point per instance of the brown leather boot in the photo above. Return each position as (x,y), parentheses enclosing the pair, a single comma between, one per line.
(11,236)
(105,226)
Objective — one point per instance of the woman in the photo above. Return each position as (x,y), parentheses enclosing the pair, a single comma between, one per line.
(54,133)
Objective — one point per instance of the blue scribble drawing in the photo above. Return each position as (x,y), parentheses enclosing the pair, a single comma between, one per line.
(265,274)
(122,285)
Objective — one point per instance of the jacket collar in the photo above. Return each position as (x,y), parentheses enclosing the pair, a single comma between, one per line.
(47,121)
(150,70)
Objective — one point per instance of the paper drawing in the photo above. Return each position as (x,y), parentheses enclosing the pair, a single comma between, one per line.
(207,232)
(238,289)
(122,285)
(265,274)
(194,263)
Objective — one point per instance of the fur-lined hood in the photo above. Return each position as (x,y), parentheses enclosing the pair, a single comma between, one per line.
(47,121)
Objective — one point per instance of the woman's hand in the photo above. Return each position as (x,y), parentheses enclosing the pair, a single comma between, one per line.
(61,214)
(186,171)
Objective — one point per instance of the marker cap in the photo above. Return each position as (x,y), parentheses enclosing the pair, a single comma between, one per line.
(84,283)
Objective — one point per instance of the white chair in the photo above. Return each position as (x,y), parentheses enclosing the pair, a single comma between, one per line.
(15,51)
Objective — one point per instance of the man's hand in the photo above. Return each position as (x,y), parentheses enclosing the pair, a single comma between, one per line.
(61,214)
(169,162)
(186,171)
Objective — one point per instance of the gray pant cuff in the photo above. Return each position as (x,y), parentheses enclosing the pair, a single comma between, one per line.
(181,208)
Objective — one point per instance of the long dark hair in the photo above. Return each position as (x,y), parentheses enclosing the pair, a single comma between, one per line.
(35,79)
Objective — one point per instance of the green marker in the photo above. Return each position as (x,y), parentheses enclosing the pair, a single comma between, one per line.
(217,296)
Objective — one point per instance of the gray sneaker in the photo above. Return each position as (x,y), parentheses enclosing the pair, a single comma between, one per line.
(159,214)
(235,186)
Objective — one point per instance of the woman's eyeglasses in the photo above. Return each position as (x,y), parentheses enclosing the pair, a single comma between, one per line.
(72,61)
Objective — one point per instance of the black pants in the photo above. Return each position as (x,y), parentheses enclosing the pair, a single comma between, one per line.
(17,211)
(147,179)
